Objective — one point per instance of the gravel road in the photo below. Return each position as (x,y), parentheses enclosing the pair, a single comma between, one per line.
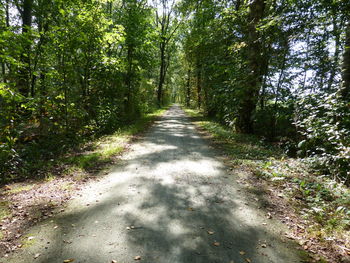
(171,200)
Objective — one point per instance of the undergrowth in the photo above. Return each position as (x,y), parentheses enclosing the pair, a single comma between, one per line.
(47,161)
(37,158)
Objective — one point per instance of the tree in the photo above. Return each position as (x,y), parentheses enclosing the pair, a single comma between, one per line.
(167,28)
(345,86)
(249,94)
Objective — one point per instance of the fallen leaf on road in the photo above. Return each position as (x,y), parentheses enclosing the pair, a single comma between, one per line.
(216,244)
(190,209)
(37,255)
(289,236)
(113,261)
(248,260)
(210,232)
(68,260)
(137,258)
(242,252)
(263,245)
(30,238)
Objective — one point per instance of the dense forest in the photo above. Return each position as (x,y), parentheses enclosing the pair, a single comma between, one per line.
(73,70)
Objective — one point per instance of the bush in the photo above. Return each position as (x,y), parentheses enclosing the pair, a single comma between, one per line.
(323,121)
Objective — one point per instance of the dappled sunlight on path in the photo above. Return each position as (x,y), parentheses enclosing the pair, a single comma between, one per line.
(170,201)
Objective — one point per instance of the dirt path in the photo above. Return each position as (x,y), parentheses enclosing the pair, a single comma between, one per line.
(171,200)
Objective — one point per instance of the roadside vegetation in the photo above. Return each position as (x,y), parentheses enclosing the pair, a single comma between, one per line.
(24,203)
(316,208)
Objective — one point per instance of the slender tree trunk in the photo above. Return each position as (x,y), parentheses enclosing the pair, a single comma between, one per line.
(238,5)
(249,95)
(334,68)
(265,70)
(7,12)
(188,88)
(345,87)
(262,95)
(64,84)
(7,25)
(24,73)
(128,83)
(165,36)
(278,88)
(3,71)
(161,74)
(199,86)
(306,61)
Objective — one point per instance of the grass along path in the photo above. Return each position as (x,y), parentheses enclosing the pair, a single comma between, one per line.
(315,208)
(26,203)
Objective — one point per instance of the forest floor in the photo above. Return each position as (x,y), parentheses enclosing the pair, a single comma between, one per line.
(188,190)
(170,198)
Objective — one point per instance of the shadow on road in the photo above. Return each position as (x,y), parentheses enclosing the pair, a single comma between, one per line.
(181,205)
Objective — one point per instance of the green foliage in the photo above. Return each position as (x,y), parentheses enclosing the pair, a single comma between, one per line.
(79,70)
(321,200)
(242,146)
(247,70)
(324,123)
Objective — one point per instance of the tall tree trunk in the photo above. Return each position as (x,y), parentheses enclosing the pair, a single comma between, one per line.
(199,86)
(166,34)
(334,68)
(345,87)
(128,107)
(238,5)
(7,12)
(278,88)
(265,71)
(7,24)
(249,94)
(188,88)
(24,73)
(161,74)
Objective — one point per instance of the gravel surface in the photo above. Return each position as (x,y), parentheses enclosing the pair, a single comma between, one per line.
(171,200)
